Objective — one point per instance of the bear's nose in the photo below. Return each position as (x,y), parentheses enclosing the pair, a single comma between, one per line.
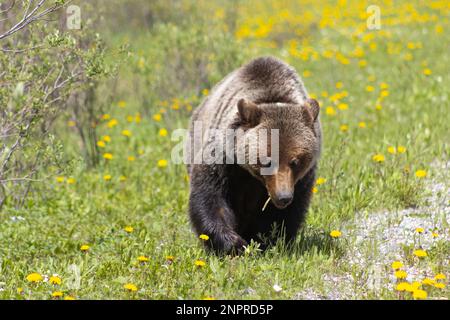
(284,198)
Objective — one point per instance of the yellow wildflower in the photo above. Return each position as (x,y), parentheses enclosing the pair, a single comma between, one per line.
(421,173)
(70,180)
(420,253)
(55,280)
(335,234)
(69,298)
(59,179)
(420,230)
(199,263)
(330,111)
(320,181)
(71,123)
(369,88)
(143,259)
(106,116)
(162,132)
(403,286)
(131,158)
(157,117)
(401,149)
(397,265)
(440,276)
(111,123)
(106,138)
(130,287)
(107,156)
(343,128)
(126,133)
(419,294)
(34,277)
(391,150)
(121,104)
(400,274)
(342,106)
(162,163)
(378,158)
(128,229)
(362,124)
(57,294)
(427,72)
(101,144)
(107,177)
(84,248)
(439,285)
(204,237)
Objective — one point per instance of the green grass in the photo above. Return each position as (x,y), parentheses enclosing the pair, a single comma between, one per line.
(154,200)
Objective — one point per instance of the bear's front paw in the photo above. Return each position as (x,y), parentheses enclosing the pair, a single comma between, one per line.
(237,245)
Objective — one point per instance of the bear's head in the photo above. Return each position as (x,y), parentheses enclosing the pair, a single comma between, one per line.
(292,137)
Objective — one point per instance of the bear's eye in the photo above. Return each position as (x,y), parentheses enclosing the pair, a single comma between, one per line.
(294,162)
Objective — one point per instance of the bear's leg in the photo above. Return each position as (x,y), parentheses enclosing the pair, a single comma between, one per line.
(210,214)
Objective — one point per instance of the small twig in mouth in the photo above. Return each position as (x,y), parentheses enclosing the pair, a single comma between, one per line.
(265,204)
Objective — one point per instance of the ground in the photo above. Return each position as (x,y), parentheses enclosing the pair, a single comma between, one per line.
(120,230)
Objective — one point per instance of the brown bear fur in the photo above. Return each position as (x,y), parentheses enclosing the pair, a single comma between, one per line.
(226,200)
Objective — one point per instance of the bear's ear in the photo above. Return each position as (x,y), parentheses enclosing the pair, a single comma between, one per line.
(248,112)
(313,108)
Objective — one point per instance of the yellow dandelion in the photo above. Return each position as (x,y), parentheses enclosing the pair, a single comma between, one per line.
(107,156)
(378,107)
(369,88)
(170,258)
(362,124)
(428,282)
(307,73)
(143,259)
(435,234)
(162,163)
(71,123)
(204,237)
(427,72)
(84,247)
(335,234)
(60,179)
(403,286)
(71,180)
(122,178)
(130,287)
(101,144)
(20,290)
(401,149)
(128,229)
(107,177)
(391,150)
(378,158)
(419,294)
(205,92)
(199,263)
(421,173)
(157,117)
(439,285)
(130,118)
(396,265)
(400,274)
(121,104)
(420,230)
(384,93)
(126,133)
(162,132)
(112,123)
(342,106)
(34,277)
(383,85)
(343,128)
(69,298)
(131,158)
(105,116)
(330,111)
(339,85)
(137,118)
(440,276)
(55,280)
(57,294)
(315,190)
(420,253)
(106,138)
(320,181)
(416,285)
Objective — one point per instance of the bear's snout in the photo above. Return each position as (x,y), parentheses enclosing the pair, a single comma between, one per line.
(282,199)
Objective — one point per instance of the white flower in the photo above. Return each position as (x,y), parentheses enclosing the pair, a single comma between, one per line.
(277,288)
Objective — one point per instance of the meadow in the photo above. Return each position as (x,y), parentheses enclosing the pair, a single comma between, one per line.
(111,221)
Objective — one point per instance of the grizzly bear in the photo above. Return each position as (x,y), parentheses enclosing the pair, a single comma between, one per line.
(233,203)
